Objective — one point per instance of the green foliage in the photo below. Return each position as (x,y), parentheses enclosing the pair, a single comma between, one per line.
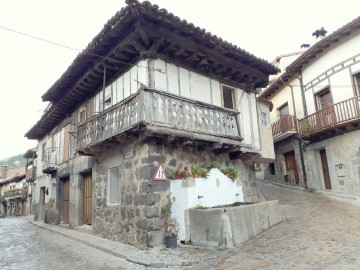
(232,172)
(184,173)
(215,165)
(166,209)
(197,170)
(50,212)
(13,161)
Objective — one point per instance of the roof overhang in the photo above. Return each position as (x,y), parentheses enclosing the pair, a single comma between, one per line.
(142,31)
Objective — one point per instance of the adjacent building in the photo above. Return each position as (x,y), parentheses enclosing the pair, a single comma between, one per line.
(149,89)
(13,191)
(320,89)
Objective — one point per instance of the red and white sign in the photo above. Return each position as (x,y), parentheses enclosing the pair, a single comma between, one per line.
(160,173)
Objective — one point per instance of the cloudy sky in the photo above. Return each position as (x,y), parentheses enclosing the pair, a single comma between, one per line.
(29,66)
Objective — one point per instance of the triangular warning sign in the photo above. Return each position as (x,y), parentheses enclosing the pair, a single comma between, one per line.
(159,173)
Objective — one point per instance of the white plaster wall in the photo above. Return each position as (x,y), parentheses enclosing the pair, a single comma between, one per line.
(216,189)
(341,86)
(266,138)
(245,118)
(310,103)
(346,48)
(125,85)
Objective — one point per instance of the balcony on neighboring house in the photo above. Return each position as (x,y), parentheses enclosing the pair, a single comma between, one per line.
(285,127)
(49,161)
(31,175)
(160,112)
(337,118)
(13,194)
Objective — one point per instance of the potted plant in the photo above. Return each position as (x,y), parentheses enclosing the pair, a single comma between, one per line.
(181,174)
(230,172)
(171,226)
(198,172)
(215,165)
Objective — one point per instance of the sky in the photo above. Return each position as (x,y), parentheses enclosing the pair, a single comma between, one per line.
(30,66)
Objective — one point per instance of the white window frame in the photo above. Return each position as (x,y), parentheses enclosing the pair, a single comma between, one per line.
(114,202)
(266,119)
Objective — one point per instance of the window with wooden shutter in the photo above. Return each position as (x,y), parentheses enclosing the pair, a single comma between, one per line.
(283,110)
(114,185)
(324,99)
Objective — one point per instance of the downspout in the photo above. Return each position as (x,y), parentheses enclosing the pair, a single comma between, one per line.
(297,137)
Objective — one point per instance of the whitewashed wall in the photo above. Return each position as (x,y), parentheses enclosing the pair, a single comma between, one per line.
(216,189)
(124,86)
(340,83)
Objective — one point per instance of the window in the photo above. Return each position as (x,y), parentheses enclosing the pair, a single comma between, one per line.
(283,110)
(323,99)
(228,97)
(357,83)
(264,119)
(114,187)
(43,151)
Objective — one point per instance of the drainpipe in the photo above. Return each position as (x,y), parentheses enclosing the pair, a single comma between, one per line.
(299,140)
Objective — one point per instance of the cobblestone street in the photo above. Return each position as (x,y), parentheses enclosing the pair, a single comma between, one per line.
(317,232)
(25,246)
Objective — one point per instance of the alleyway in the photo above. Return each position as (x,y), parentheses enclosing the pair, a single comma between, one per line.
(25,246)
(317,232)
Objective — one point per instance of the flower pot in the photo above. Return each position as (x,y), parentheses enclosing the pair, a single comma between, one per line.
(198,176)
(180,176)
(171,241)
(227,175)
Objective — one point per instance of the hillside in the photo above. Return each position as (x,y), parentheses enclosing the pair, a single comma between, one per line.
(13,161)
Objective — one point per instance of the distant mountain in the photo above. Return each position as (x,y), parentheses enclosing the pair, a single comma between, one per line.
(13,161)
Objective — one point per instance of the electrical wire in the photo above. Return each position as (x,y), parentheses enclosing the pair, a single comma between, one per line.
(75,49)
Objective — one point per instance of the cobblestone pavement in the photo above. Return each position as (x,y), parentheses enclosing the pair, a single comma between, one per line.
(317,232)
(25,246)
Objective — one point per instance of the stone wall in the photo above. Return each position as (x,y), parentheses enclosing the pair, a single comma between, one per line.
(281,148)
(136,220)
(342,150)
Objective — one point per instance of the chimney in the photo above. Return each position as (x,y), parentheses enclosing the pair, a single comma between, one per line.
(4,171)
(320,33)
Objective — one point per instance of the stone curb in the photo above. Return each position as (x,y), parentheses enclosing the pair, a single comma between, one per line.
(170,262)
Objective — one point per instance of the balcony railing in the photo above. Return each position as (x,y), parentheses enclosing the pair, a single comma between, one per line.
(49,161)
(31,174)
(161,109)
(286,124)
(13,194)
(335,116)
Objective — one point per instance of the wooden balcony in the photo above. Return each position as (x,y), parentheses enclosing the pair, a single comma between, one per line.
(50,161)
(164,113)
(337,117)
(31,175)
(284,127)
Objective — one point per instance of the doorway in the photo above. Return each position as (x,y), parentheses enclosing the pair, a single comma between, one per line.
(66,200)
(290,163)
(87,215)
(42,204)
(325,169)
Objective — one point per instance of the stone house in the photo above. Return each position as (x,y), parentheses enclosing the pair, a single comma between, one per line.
(320,89)
(13,191)
(149,89)
(30,176)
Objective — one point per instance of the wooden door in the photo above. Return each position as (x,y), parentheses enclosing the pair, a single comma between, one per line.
(290,163)
(325,169)
(42,204)
(66,200)
(87,199)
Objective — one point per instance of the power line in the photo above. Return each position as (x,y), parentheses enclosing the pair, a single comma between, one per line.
(75,49)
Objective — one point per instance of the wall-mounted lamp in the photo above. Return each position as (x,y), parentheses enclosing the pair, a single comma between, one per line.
(200,196)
